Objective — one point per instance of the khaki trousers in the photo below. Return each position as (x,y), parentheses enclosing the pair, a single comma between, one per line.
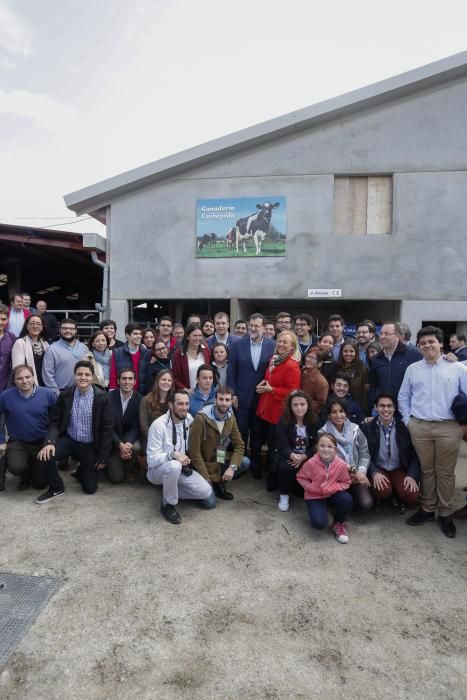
(437,445)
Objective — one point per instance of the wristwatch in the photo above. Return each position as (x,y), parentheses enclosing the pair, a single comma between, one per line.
(233,467)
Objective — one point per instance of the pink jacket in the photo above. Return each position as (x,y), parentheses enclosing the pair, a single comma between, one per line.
(319,482)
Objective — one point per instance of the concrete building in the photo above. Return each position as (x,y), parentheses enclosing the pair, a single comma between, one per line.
(376,189)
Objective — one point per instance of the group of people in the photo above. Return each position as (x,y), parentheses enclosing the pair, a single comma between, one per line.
(347,422)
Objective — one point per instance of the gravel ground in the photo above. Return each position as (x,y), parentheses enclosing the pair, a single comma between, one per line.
(243,601)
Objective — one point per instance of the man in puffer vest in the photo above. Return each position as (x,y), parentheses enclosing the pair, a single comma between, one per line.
(215,445)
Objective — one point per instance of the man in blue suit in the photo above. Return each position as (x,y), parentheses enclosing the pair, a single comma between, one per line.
(248,361)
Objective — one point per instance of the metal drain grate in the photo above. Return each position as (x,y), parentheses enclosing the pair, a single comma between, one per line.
(21,600)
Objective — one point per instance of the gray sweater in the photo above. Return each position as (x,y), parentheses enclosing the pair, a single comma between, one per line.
(59,363)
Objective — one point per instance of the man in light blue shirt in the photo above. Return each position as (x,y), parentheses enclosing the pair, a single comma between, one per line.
(425,397)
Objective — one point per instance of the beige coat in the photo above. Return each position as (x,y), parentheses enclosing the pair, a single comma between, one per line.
(23,354)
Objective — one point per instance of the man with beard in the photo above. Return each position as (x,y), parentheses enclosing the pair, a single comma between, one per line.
(61,357)
(169,463)
(216,446)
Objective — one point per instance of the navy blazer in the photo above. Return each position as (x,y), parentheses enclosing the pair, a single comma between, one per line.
(126,427)
(408,457)
(242,376)
(231,340)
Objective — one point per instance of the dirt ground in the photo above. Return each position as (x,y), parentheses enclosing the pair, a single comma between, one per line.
(240,602)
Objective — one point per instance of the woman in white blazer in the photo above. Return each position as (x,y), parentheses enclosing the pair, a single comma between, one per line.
(30,347)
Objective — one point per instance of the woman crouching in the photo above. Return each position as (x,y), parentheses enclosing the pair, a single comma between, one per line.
(325,479)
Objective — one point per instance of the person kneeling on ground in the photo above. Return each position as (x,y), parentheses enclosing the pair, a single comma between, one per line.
(325,479)
(295,435)
(213,436)
(169,463)
(81,426)
(126,448)
(352,446)
(394,469)
(24,411)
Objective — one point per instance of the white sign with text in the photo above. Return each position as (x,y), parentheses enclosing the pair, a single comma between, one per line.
(324,293)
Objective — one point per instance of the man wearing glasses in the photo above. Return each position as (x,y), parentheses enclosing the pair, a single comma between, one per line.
(425,399)
(61,357)
(388,367)
(303,331)
(165,333)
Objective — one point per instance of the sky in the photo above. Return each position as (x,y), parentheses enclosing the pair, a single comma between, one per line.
(92,88)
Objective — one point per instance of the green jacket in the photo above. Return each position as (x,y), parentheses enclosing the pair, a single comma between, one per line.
(205,439)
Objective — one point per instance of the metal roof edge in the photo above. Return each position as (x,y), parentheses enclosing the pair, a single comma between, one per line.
(101,193)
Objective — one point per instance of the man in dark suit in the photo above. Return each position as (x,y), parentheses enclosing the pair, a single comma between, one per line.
(248,361)
(458,346)
(81,426)
(126,448)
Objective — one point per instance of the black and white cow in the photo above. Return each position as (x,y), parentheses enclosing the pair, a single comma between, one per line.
(255,226)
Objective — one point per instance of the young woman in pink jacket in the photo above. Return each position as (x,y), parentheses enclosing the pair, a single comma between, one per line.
(325,479)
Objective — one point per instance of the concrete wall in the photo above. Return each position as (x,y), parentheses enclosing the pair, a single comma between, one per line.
(421,140)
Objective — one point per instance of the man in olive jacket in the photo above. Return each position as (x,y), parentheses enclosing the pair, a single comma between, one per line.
(215,445)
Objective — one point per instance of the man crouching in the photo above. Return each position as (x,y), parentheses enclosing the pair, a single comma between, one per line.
(216,446)
(168,461)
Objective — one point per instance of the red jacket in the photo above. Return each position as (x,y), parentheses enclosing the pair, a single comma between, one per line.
(26,314)
(180,367)
(319,482)
(284,378)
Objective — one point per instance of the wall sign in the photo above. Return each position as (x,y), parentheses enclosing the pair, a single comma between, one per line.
(241,227)
(324,293)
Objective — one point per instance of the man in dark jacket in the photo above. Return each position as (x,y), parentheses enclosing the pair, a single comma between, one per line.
(388,367)
(126,447)
(131,355)
(394,465)
(81,426)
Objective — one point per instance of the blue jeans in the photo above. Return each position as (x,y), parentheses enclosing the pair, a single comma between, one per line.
(318,509)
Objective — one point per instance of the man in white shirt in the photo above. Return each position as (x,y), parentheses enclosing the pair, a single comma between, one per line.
(169,463)
(425,398)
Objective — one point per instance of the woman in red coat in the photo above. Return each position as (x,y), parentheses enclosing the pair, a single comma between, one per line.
(282,376)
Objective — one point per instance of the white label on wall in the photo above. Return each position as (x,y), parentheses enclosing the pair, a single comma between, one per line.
(324,293)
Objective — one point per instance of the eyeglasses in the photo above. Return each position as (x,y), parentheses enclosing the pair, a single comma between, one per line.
(384,333)
(160,348)
(35,323)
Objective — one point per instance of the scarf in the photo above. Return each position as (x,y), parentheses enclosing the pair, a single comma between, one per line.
(344,440)
(277,360)
(104,359)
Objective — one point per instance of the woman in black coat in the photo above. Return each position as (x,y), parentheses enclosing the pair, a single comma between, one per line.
(295,438)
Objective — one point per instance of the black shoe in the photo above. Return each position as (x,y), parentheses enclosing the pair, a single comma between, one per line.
(170,514)
(447,526)
(377,505)
(398,505)
(256,471)
(219,490)
(24,482)
(49,495)
(420,517)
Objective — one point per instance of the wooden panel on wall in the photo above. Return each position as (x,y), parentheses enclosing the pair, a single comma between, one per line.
(341,206)
(358,205)
(379,211)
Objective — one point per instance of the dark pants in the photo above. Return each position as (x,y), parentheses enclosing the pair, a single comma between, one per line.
(263,432)
(287,478)
(341,502)
(362,497)
(245,419)
(84,453)
(22,462)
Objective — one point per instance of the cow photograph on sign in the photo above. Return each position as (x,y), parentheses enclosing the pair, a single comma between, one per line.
(241,227)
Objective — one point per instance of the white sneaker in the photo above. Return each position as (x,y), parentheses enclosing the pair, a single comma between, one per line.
(283,503)
(340,530)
